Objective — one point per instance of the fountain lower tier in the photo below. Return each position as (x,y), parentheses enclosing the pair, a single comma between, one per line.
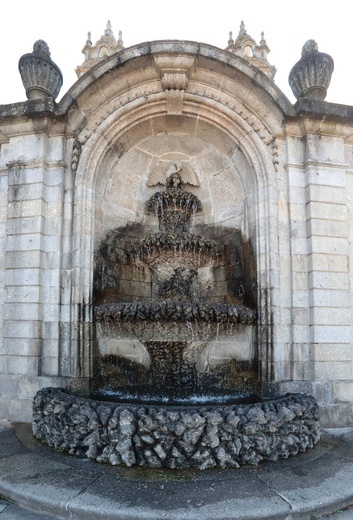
(202,437)
(172,320)
(175,311)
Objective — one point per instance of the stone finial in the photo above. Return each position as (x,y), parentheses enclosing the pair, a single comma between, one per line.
(41,47)
(242,30)
(109,31)
(104,47)
(41,77)
(247,48)
(311,75)
(310,47)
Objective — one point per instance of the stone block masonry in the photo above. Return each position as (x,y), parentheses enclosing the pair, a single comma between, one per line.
(275,176)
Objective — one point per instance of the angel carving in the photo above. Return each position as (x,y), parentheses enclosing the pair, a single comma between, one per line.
(164,170)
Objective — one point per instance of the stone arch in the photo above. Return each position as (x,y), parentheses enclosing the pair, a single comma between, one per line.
(174,92)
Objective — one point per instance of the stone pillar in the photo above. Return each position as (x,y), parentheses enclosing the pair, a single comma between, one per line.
(321,359)
(7,386)
(299,362)
(31,310)
(328,261)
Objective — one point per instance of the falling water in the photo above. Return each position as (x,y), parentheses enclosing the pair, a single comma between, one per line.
(174,320)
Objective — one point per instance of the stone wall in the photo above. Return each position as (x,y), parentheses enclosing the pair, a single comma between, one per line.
(319,171)
(70,172)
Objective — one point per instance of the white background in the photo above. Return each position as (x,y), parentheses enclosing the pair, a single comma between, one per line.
(287,26)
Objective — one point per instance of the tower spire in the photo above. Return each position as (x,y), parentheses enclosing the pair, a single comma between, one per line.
(256,54)
(103,48)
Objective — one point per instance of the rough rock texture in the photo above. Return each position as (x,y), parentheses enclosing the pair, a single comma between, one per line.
(171,310)
(176,437)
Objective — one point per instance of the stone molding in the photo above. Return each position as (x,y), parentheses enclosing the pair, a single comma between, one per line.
(174,72)
(76,154)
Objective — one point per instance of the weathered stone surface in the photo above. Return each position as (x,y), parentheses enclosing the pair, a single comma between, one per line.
(311,76)
(175,311)
(280,173)
(200,437)
(41,77)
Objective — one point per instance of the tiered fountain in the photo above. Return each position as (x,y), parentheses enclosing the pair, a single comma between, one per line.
(174,409)
(177,316)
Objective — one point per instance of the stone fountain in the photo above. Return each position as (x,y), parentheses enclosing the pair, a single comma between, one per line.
(167,406)
(179,317)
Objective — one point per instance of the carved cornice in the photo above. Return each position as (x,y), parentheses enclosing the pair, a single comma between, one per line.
(35,163)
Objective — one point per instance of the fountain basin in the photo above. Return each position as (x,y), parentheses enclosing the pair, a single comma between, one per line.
(189,250)
(174,311)
(169,436)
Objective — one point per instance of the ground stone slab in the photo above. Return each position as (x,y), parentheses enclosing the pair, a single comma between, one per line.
(176,437)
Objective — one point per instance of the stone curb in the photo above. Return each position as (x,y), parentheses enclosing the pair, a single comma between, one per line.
(313,483)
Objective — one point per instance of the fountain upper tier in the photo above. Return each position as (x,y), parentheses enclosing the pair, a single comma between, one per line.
(175,257)
(174,207)
(175,253)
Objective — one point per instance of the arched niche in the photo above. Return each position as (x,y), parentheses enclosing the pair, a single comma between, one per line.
(224,183)
(222,179)
(226,132)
